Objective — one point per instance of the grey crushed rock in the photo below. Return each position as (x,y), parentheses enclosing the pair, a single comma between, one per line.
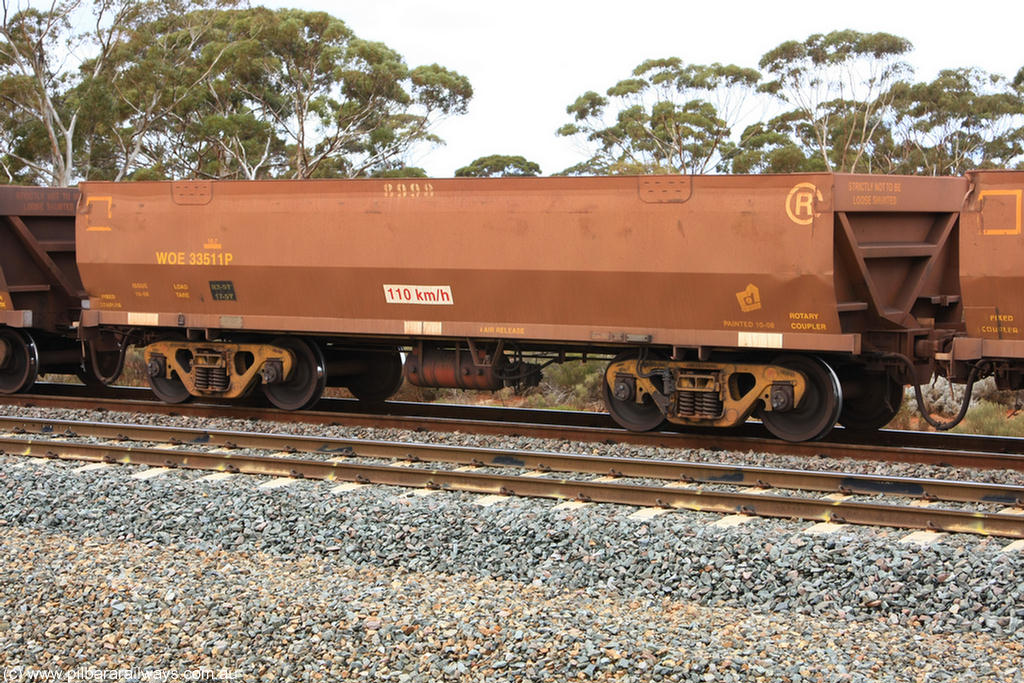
(382,584)
(275,617)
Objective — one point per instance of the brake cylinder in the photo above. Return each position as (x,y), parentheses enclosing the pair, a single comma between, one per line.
(427,366)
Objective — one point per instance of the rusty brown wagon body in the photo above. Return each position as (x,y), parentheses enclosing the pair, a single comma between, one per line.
(40,291)
(465,270)
(719,261)
(992,277)
(39,284)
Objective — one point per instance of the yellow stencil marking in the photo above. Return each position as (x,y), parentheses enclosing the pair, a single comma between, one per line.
(1015,230)
(109,201)
(800,203)
(407,190)
(749,298)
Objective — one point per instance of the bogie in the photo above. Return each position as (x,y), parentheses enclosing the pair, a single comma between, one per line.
(797,397)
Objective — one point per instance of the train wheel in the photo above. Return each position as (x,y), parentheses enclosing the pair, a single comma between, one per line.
(636,417)
(19,361)
(871,402)
(168,390)
(818,410)
(382,378)
(305,385)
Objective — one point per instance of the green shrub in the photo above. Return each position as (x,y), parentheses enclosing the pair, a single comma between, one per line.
(570,386)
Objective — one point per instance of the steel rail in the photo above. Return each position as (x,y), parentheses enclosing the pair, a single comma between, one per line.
(708,473)
(765,505)
(958,450)
(141,398)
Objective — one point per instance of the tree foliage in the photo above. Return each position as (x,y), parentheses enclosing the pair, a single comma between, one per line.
(163,68)
(198,88)
(773,147)
(498,165)
(965,118)
(670,117)
(132,89)
(840,84)
(48,98)
(331,95)
(850,104)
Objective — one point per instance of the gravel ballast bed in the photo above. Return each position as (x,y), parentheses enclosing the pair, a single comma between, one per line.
(272,617)
(530,443)
(381,583)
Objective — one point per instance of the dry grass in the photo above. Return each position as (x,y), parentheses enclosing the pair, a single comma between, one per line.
(993,412)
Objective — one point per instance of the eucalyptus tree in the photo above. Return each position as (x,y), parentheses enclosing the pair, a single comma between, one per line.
(290,93)
(165,66)
(51,56)
(498,165)
(669,117)
(965,118)
(335,104)
(197,88)
(209,128)
(841,84)
(771,147)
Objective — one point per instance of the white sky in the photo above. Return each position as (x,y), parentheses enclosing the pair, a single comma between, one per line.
(528,59)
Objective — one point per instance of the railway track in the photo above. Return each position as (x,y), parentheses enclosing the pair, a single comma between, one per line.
(728,489)
(930,448)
